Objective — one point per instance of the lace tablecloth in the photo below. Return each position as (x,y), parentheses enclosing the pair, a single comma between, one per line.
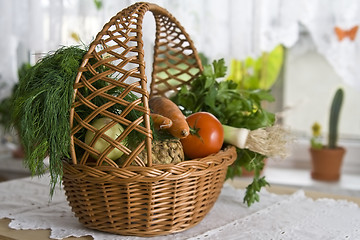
(295,216)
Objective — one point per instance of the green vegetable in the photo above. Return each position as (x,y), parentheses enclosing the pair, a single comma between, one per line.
(235,136)
(42,103)
(41,110)
(234,107)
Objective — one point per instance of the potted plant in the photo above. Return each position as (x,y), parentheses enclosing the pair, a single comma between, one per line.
(327,160)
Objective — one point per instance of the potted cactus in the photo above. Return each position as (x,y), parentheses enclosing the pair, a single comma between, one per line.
(327,160)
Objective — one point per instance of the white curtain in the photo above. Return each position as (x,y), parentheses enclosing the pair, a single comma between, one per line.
(220,29)
(320,18)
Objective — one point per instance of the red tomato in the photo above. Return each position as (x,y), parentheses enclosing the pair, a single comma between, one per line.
(206,136)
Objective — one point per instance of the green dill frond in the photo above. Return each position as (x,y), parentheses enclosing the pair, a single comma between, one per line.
(42,103)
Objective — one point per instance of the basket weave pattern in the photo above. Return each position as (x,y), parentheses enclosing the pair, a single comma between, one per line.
(136,198)
(148,203)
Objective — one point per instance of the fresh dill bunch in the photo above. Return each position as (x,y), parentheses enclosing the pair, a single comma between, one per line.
(41,107)
(41,110)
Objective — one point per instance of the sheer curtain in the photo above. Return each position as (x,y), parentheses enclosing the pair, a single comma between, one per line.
(321,17)
(220,29)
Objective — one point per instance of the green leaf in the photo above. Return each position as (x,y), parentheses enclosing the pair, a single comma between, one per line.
(263,95)
(219,68)
(208,71)
(251,194)
(210,98)
(209,82)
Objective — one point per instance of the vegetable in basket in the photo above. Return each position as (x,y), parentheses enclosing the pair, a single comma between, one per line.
(234,107)
(206,135)
(100,144)
(269,141)
(41,110)
(167,108)
(160,122)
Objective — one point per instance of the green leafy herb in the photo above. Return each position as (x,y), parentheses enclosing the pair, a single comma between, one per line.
(42,103)
(253,188)
(234,107)
(41,110)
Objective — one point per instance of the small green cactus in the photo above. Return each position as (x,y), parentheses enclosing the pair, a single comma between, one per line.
(334,118)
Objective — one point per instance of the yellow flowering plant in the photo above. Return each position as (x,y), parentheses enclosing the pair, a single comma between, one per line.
(316,136)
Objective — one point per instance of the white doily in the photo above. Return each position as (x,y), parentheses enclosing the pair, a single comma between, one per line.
(26,202)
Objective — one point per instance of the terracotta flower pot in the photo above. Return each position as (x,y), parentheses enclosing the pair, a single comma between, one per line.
(326,163)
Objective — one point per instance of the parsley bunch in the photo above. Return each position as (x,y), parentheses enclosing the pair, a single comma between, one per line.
(234,107)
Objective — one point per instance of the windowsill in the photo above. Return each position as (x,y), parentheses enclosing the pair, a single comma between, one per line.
(349,184)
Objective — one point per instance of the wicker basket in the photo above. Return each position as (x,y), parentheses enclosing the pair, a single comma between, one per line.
(137,197)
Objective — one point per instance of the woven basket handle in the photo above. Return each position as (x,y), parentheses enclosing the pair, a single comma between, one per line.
(176,60)
(115,60)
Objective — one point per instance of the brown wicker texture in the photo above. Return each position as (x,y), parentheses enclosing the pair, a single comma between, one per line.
(132,197)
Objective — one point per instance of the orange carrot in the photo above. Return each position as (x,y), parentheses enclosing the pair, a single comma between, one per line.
(160,122)
(167,108)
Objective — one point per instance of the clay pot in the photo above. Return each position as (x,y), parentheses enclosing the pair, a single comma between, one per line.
(326,163)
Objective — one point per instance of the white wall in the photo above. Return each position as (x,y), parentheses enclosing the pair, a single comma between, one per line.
(310,83)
